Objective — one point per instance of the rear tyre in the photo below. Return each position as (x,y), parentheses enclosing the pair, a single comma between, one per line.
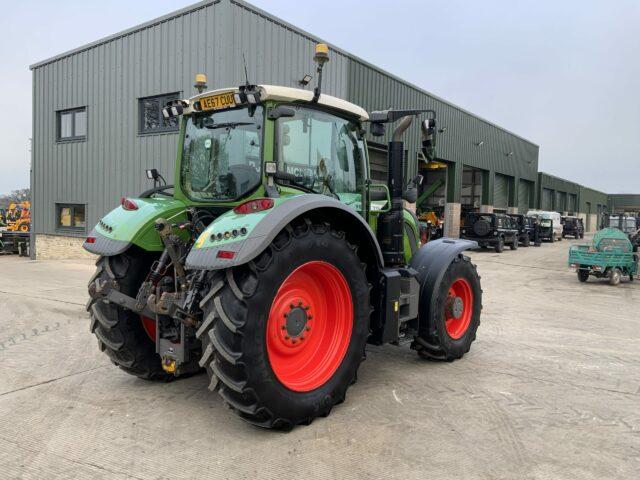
(123,335)
(583,275)
(283,336)
(456,316)
(615,276)
(526,242)
(500,245)
(514,244)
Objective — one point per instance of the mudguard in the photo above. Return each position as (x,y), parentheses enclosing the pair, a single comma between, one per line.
(431,262)
(235,239)
(120,228)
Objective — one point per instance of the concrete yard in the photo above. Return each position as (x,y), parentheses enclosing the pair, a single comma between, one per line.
(550,389)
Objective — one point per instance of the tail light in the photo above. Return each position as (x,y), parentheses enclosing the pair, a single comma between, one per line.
(226,254)
(128,204)
(255,205)
(91,240)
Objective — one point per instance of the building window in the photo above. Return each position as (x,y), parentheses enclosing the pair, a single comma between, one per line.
(72,124)
(70,217)
(151,118)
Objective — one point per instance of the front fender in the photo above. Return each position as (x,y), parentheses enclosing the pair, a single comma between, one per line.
(120,228)
(431,262)
(245,236)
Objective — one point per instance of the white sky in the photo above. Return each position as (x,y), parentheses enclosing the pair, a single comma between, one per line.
(564,74)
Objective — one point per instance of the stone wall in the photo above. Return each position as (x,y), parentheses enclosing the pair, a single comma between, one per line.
(59,247)
(452,220)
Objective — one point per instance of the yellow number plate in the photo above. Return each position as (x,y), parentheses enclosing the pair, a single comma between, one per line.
(217,102)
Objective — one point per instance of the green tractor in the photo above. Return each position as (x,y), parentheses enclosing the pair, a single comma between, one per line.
(274,259)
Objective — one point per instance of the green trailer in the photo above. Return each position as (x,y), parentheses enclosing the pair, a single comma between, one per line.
(610,255)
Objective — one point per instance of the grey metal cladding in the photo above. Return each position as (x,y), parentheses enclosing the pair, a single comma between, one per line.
(267,229)
(104,246)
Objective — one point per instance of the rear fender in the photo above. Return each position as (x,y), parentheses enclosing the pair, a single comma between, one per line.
(261,228)
(431,262)
(120,228)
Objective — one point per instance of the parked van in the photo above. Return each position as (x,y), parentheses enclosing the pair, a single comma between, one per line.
(556,219)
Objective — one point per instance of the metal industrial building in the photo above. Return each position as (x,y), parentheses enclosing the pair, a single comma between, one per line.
(570,198)
(97,123)
(625,203)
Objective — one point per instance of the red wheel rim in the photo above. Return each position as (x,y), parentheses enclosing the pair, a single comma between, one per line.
(309,326)
(149,325)
(458,308)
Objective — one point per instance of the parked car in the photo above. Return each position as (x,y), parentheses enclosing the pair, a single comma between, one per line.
(490,229)
(550,224)
(525,228)
(573,226)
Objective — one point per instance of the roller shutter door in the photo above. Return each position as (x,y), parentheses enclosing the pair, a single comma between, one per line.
(501,191)
(378,164)
(573,203)
(525,190)
(561,201)
(547,199)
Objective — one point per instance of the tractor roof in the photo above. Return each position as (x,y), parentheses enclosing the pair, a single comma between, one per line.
(287,94)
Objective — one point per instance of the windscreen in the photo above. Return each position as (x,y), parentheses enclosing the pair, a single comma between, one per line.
(221,154)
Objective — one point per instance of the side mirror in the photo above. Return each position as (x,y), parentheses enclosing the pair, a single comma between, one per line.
(152,174)
(428,128)
(411,195)
(377,129)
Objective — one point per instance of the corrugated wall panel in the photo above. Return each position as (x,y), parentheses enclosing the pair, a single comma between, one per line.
(546,203)
(572,206)
(109,79)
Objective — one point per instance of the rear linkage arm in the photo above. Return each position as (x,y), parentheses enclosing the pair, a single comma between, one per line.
(179,305)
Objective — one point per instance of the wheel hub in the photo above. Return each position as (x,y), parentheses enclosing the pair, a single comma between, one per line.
(455,307)
(296,320)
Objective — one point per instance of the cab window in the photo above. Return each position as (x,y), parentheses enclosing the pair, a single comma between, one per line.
(323,152)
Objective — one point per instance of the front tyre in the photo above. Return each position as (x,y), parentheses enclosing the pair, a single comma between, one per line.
(283,336)
(456,315)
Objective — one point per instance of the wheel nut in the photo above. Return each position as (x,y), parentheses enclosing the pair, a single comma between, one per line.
(293,341)
(307,328)
(301,337)
(283,327)
(306,307)
(287,337)
(299,303)
(309,317)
